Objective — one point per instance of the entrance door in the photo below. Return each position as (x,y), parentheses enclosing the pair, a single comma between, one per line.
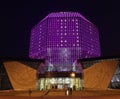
(53,86)
(60,86)
(66,86)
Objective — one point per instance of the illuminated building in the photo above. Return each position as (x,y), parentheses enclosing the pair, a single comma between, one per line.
(61,39)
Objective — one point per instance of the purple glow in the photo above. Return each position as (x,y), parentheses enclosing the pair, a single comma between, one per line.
(62,38)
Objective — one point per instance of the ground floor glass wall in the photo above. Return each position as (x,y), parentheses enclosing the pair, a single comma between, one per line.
(59,83)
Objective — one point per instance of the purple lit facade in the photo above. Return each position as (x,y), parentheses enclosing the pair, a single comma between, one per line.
(62,38)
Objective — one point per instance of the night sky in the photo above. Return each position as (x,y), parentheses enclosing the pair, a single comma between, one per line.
(19,16)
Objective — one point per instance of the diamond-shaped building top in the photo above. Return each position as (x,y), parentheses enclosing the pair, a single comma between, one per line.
(63,37)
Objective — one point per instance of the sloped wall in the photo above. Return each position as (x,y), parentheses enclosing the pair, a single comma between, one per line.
(21,76)
(100,74)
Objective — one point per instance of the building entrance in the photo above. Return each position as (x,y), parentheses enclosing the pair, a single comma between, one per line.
(59,83)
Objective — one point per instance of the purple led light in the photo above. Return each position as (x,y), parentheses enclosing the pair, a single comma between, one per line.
(62,38)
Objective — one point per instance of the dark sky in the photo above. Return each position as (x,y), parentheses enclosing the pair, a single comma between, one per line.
(19,16)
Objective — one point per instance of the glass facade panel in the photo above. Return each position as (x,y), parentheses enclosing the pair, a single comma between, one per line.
(59,83)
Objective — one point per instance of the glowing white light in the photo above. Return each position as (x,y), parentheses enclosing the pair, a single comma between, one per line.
(61,27)
(73,44)
(61,41)
(61,20)
(77,37)
(77,30)
(61,44)
(72,74)
(65,41)
(76,20)
(77,41)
